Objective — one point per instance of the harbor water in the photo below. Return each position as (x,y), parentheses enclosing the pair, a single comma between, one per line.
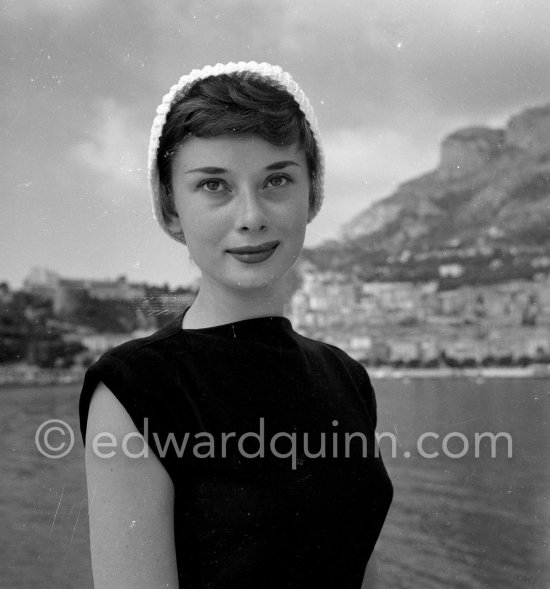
(467,513)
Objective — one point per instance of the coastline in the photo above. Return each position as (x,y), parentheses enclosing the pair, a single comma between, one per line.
(28,375)
(533,371)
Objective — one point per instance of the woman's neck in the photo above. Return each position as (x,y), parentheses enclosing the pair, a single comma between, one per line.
(218,307)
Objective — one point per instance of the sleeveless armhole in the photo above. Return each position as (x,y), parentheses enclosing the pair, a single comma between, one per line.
(363,383)
(373,404)
(122,381)
(368,396)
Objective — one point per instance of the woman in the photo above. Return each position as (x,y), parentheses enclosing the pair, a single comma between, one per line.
(215,448)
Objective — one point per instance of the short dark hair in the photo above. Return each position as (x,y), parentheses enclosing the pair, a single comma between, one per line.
(233,104)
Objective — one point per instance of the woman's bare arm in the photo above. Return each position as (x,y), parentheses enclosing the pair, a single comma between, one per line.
(131,505)
(371,580)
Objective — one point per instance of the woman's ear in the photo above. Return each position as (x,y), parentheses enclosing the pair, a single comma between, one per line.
(173,222)
(311,207)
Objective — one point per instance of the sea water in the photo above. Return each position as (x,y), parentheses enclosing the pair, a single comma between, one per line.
(461,517)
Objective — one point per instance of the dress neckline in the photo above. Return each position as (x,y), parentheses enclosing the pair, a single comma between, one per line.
(260,329)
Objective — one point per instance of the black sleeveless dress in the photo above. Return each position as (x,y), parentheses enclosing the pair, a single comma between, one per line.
(250,420)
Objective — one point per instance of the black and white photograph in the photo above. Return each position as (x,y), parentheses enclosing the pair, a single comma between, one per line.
(275,294)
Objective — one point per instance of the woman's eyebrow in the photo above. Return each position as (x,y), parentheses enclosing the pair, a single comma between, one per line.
(215,170)
(282,164)
(208,170)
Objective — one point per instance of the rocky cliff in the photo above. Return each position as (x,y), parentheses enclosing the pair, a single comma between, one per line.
(491,185)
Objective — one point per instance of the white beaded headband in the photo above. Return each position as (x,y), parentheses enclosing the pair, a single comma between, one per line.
(265,70)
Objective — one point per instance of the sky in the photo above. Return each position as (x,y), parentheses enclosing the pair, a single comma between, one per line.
(388,80)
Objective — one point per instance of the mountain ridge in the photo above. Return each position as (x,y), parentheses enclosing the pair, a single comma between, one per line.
(491,185)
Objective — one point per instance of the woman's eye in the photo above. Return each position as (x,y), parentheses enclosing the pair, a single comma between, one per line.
(213,185)
(277,181)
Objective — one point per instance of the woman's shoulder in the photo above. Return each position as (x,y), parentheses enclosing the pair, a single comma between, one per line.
(132,371)
(331,351)
(138,347)
(322,346)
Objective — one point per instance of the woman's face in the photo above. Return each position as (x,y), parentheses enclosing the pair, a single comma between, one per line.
(237,192)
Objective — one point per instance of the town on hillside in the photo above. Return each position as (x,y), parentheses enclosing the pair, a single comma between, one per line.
(414,324)
(54,327)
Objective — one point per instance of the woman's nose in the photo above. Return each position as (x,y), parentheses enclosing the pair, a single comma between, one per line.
(251,215)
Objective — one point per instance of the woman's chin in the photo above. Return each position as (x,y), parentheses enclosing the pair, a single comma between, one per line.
(257,282)
(255,276)
(241,276)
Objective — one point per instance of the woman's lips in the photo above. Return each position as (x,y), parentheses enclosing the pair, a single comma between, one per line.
(254,254)
(253,249)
